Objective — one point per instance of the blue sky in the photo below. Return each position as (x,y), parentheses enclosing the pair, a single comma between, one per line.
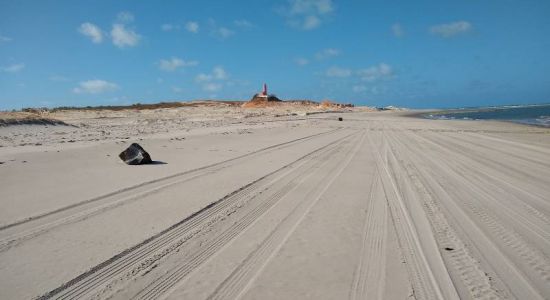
(406,53)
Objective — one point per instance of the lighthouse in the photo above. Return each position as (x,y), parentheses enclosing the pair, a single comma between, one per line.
(262,98)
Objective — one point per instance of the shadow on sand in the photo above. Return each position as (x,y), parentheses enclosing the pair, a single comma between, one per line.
(156,162)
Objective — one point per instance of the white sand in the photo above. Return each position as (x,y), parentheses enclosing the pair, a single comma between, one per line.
(379,206)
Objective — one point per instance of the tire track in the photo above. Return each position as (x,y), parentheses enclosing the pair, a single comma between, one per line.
(369,280)
(485,185)
(125,196)
(135,260)
(161,285)
(62,209)
(424,283)
(240,280)
(506,171)
(503,150)
(483,173)
(515,245)
(460,261)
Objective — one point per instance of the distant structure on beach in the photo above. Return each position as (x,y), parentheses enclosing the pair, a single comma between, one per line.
(263,96)
(264,91)
(264,99)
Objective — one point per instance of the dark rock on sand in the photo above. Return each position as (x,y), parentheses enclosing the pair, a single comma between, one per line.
(135,155)
(340,119)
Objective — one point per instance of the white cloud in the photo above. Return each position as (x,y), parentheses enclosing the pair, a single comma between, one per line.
(95,86)
(175,63)
(5,39)
(192,27)
(397,30)
(214,81)
(311,22)
(212,87)
(308,14)
(327,53)
(376,72)
(223,32)
(301,61)
(125,17)
(176,89)
(14,68)
(311,6)
(451,29)
(243,23)
(92,31)
(203,77)
(219,73)
(338,72)
(169,27)
(124,37)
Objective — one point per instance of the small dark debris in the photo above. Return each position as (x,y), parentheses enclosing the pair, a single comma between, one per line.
(340,119)
(449,249)
(1,162)
(23,161)
(135,155)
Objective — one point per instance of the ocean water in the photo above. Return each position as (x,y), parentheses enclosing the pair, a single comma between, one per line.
(538,115)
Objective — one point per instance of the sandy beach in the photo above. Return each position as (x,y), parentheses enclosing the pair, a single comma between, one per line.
(273,204)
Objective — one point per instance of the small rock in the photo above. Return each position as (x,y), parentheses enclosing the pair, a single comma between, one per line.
(135,155)
(340,119)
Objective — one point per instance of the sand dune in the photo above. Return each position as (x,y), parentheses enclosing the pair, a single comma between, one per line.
(378,206)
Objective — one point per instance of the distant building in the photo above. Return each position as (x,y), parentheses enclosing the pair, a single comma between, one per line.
(263,96)
(264,91)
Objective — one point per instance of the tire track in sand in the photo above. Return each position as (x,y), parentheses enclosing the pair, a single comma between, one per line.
(369,280)
(489,233)
(242,278)
(145,255)
(166,282)
(89,208)
(459,261)
(423,280)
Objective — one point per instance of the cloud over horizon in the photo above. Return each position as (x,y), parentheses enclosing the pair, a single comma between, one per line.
(5,39)
(192,27)
(95,86)
(213,81)
(13,68)
(307,14)
(91,31)
(451,29)
(122,36)
(397,30)
(174,63)
(327,53)
(374,73)
(338,72)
